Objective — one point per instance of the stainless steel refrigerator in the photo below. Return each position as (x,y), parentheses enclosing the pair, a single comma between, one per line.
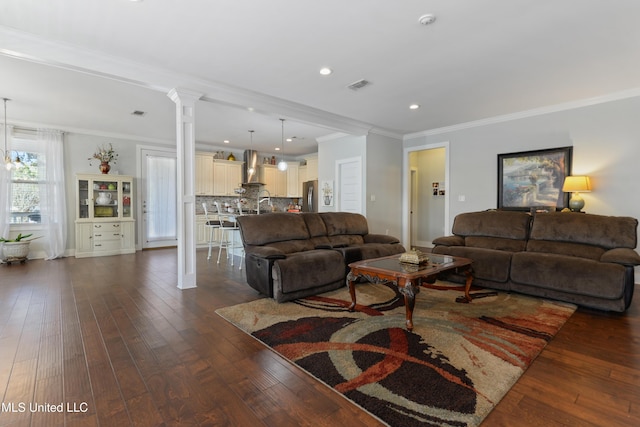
(310,196)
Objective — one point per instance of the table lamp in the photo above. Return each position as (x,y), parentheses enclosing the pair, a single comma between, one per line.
(576,185)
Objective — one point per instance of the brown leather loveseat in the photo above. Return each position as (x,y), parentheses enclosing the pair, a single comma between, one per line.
(289,255)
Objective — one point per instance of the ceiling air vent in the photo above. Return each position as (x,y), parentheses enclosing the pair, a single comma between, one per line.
(359,84)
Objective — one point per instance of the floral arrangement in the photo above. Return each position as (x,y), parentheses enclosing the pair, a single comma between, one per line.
(105,155)
(327,191)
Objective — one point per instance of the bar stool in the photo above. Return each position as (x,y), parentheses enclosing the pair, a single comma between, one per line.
(227,226)
(210,225)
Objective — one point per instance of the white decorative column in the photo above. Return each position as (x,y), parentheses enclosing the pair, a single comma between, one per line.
(186,153)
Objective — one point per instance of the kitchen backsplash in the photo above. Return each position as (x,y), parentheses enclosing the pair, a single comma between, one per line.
(248,199)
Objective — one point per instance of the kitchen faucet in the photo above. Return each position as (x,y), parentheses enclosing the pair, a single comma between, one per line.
(268,198)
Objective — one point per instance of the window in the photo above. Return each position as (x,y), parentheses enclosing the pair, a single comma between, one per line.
(25,183)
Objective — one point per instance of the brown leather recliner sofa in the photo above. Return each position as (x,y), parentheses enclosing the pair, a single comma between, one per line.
(580,258)
(291,255)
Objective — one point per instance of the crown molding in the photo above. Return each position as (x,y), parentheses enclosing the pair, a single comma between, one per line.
(615,96)
(331,137)
(25,46)
(387,133)
(90,132)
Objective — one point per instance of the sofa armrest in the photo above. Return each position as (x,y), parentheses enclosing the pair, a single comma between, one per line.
(380,238)
(449,241)
(265,252)
(624,256)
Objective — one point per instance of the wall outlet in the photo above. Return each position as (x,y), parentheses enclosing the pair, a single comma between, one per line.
(462,198)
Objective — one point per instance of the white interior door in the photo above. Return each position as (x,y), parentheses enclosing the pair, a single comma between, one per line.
(350,185)
(159,199)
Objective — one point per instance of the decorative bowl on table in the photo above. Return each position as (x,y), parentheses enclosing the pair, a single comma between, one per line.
(414,256)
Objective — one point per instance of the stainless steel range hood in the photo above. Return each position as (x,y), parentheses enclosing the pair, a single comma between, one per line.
(250,171)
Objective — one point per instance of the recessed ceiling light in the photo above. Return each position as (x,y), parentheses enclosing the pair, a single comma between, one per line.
(289,140)
(226,141)
(414,106)
(277,148)
(325,71)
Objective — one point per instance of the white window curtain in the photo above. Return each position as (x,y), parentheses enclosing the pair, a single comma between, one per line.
(53,205)
(161,199)
(5,193)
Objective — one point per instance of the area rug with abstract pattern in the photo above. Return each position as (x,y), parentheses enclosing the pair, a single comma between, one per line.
(451,370)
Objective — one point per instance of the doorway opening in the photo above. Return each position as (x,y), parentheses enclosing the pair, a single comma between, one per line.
(426,195)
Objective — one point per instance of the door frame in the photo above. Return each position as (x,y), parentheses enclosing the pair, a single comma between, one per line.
(414,210)
(406,185)
(139,167)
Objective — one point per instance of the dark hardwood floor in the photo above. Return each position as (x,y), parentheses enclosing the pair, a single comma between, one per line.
(117,344)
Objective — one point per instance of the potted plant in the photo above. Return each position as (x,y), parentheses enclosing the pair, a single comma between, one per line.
(16,249)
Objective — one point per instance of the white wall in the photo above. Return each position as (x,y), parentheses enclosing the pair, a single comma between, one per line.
(339,148)
(384,183)
(78,149)
(382,176)
(606,146)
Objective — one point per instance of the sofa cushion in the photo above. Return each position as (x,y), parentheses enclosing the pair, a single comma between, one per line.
(292,246)
(307,270)
(624,256)
(488,264)
(566,248)
(380,238)
(605,231)
(497,243)
(317,230)
(344,223)
(269,228)
(314,223)
(503,224)
(449,241)
(568,274)
(345,240)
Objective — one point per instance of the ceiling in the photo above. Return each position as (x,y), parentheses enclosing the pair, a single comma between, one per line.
(86,66)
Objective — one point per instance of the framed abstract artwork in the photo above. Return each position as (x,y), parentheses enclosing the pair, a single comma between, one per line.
(533,179)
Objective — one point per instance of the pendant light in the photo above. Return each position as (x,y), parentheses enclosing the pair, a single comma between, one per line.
(7,157)
(282,165)
(251,169)
(8,163)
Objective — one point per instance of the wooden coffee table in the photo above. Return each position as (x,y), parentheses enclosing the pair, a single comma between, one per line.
(409,277)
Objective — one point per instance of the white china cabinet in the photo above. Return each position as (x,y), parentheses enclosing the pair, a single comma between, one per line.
(105,207)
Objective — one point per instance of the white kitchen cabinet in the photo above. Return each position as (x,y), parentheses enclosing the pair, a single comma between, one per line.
(302,178)
(274,179)
(293,187)
(227,176)
(312,169)
(105,224)
(204,174)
